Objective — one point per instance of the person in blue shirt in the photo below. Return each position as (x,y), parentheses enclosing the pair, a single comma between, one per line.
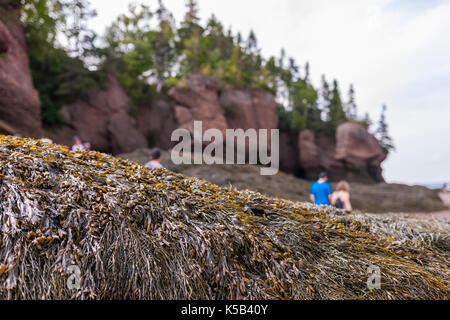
(321,190)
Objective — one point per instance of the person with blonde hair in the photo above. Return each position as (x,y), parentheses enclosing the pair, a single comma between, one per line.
(341,197)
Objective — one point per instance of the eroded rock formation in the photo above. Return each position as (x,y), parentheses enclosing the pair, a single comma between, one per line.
(103,120)
(359,150)
(353,154)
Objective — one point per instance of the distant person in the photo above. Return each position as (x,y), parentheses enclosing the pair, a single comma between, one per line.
(155,160)
(341,197)
(321,190)
(78,145)
(446,187)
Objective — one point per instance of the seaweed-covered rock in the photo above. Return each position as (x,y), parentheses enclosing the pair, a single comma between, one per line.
(134,233)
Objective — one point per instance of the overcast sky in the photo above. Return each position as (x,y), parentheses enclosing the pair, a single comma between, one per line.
(394,52)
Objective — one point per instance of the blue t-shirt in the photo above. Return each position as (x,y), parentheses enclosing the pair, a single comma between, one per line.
(321,191)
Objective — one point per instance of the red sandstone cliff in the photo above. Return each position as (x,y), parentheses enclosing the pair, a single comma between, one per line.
(102,119)
(19,101)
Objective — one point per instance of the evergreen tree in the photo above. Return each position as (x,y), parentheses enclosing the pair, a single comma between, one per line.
(293,68)
(217,41)
(165,51)
(382,132)
(238,39)
(351,108)
(80,38)
(132,55)
(336,110)
(282,58)
(325,98)
(190,39)
(252,43)
(367,121)
(191,21)
(306,78)
(305,112)
(59,78)
(191,16)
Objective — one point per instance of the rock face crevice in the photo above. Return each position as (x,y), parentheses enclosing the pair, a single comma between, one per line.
(354,154)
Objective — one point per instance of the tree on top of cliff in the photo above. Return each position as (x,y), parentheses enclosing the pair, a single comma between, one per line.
(336,113)
(165,52)
(79,36)
(304,99)
(191,17)
(351,108)
(306,78)
(382,132)
(367,121)
(325,95)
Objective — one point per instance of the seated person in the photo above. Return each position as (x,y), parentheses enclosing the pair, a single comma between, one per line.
(341,198)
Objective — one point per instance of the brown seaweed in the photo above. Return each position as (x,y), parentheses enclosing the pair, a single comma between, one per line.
(135,233)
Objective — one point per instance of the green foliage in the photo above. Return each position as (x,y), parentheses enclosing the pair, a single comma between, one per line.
(304,100)
(172,82)
(132,55)
(59,80)
(284,119)
(58,77)
(336,111)
(351,108)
